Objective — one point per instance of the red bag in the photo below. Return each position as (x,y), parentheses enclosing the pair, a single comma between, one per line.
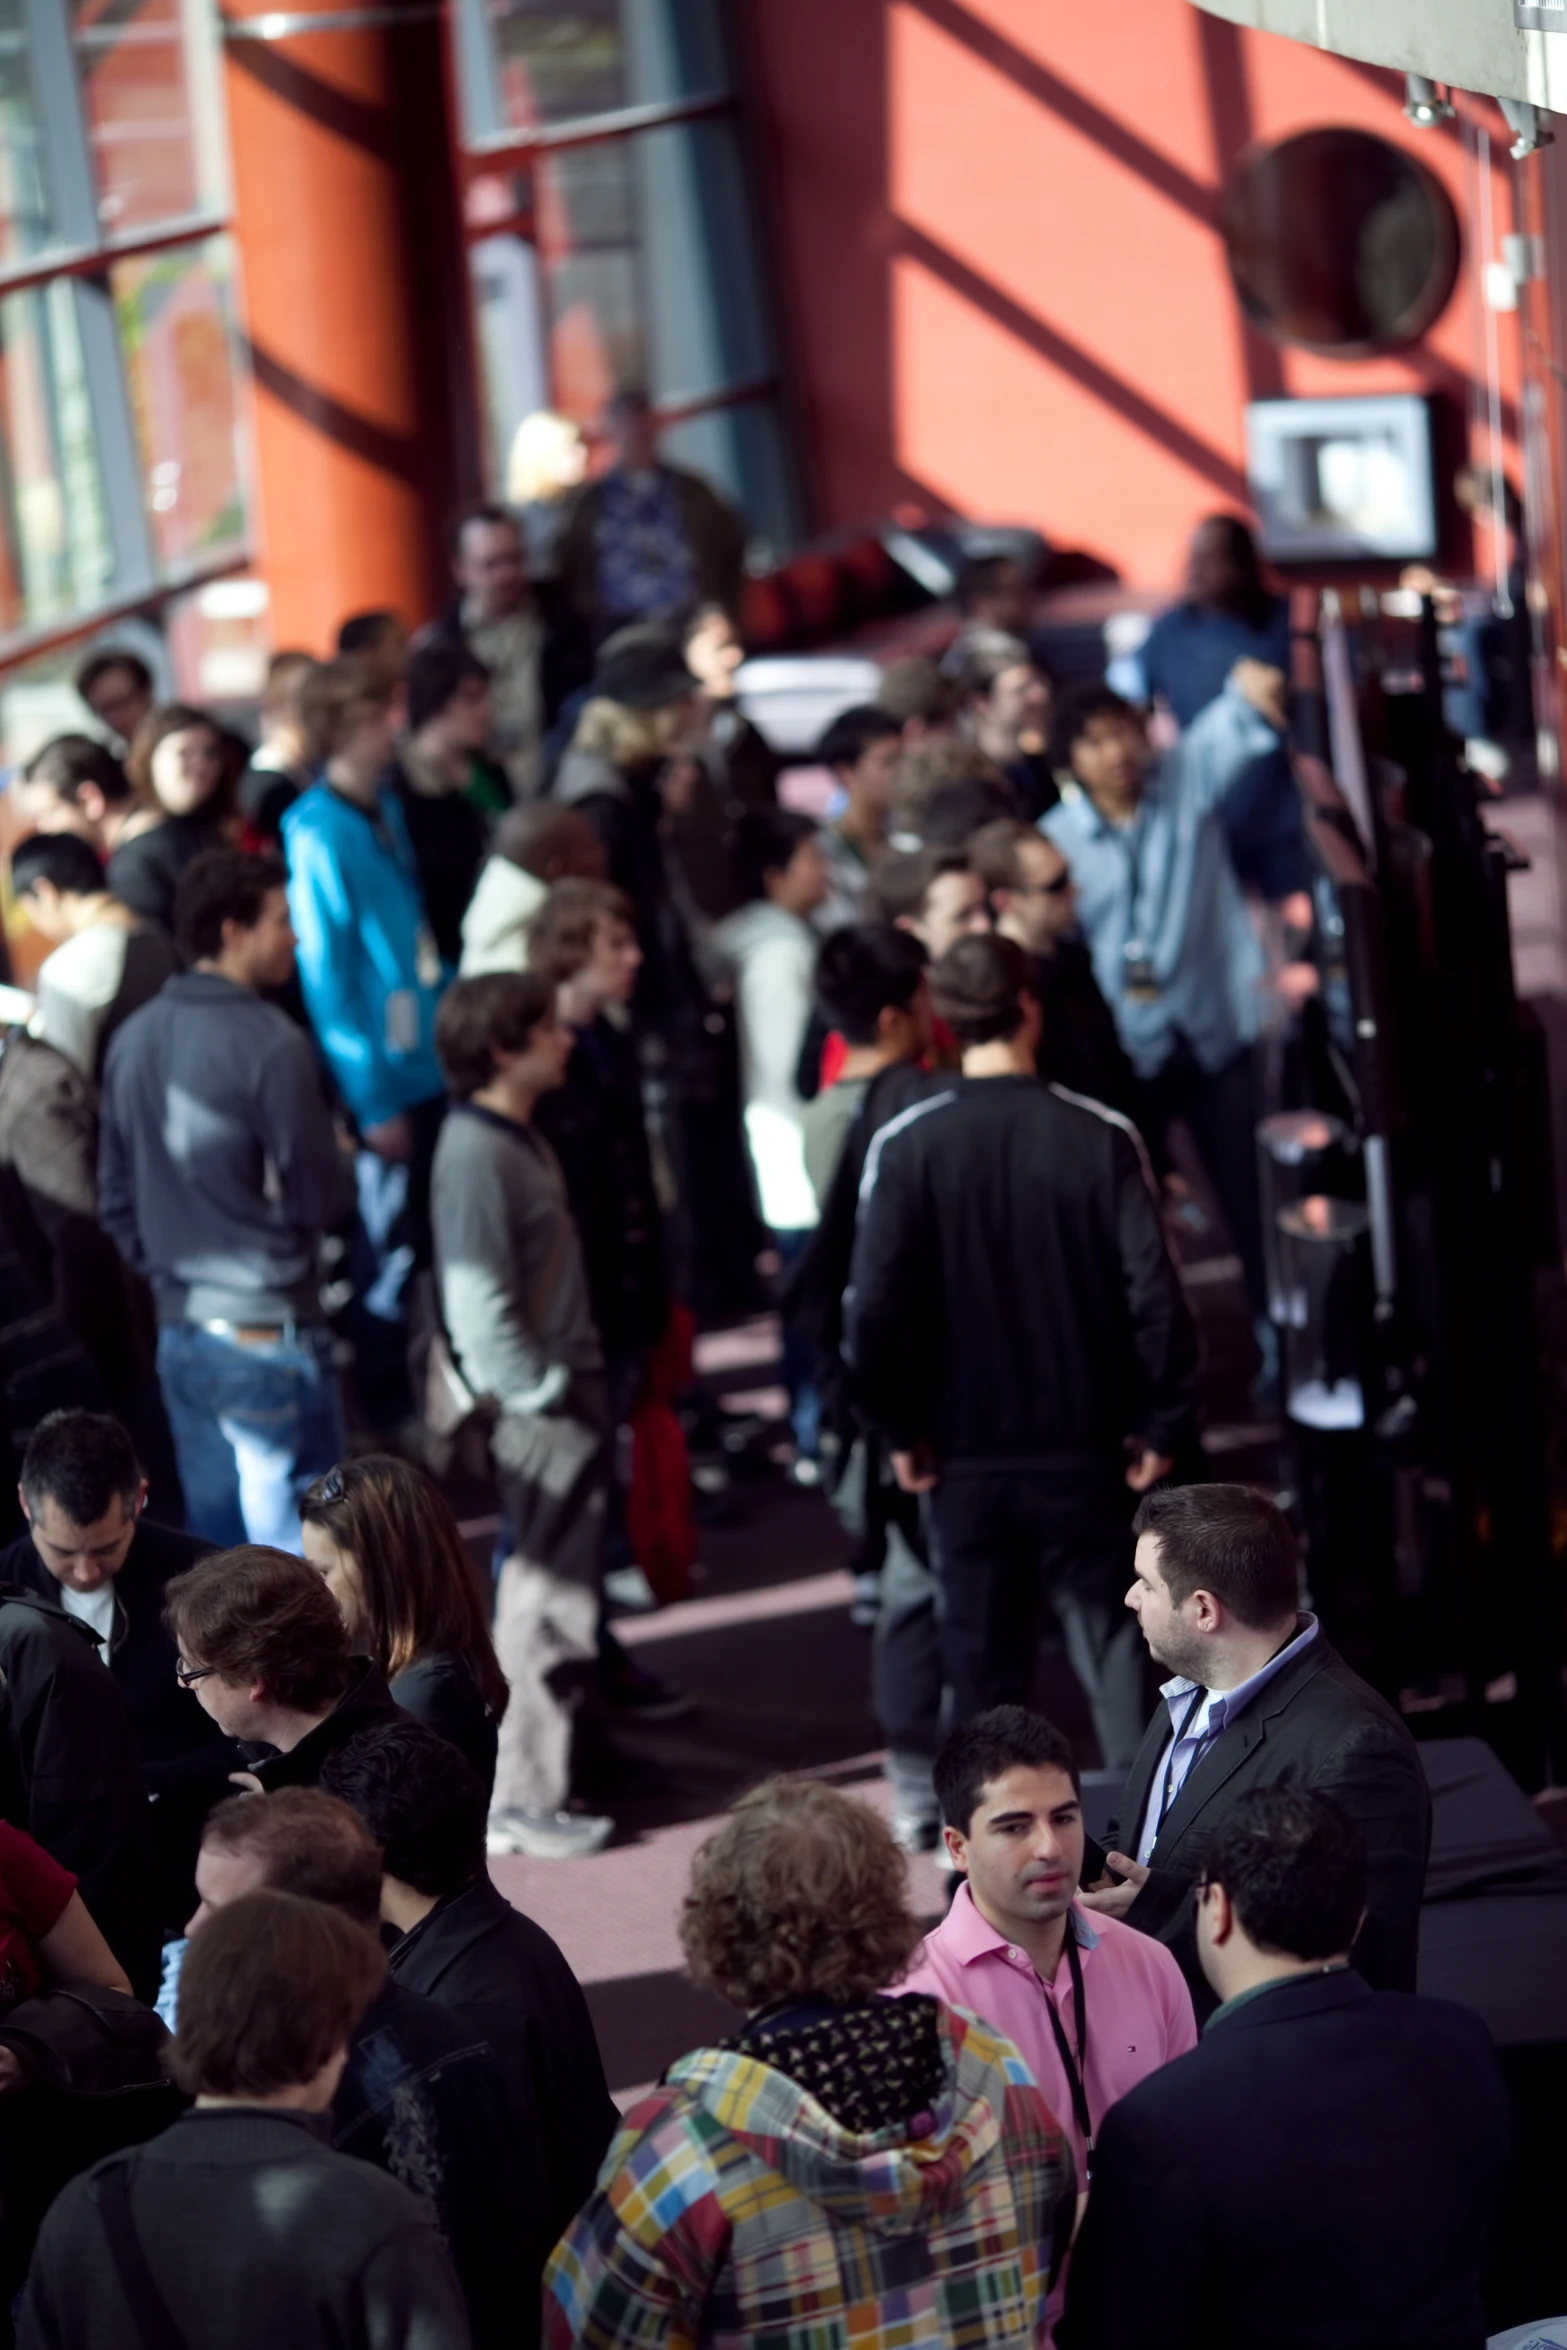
(660,1521)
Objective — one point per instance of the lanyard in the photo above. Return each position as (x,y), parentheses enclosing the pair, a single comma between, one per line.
(1076,2073)
(1170,1793)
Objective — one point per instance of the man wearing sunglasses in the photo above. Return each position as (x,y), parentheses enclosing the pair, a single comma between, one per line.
(1035,904)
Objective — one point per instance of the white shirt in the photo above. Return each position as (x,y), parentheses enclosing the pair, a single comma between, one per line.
(1196,1720)
(94,1608)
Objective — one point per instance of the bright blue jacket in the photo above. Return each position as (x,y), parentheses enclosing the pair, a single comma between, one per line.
(370,986)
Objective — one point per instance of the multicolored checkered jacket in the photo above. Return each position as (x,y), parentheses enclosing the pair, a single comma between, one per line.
(733,2210)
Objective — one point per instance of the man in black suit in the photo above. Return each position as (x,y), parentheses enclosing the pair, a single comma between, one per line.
(1323,2170)
(90,1548)
(463,1944)
(1258,1697)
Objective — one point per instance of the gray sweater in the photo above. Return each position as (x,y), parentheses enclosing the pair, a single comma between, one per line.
(256,2234)
(514,1291)
(218,1170)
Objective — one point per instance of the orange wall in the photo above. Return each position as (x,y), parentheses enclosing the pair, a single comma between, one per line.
(1005,290)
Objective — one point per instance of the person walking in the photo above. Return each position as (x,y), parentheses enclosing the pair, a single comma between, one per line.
(219,1172)
(1015,1326)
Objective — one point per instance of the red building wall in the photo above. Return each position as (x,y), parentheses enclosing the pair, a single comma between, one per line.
(1005,292)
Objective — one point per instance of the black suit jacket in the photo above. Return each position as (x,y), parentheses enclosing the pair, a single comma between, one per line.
(1319,1725)
(1321,2171)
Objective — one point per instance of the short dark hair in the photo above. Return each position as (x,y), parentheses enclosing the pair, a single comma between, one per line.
(1227,1539)
(222,885)
(97,666)
(420,1800)
(955,811)
(1077,712)
(1007,1738)
(258,1614)
(365,632)
(63,859)
(496,1012)
(993,852)
(978,987)
(561,934)
(309,1843)
(902,880)
(486,511)
(71,760)
(80,1461)
(863,970)
(844,742)
(766,840)
(432,675)
(335,696)
(1293,1863)
(270,1989)
(543,832)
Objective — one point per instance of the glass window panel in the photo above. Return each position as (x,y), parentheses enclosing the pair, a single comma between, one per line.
(176,323)
(555,62)
(587,246)
(55,554)
(135,80)
(24,204)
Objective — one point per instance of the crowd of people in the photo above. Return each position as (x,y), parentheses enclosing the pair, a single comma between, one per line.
(400,1089)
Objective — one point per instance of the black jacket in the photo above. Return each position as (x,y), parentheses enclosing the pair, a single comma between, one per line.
(1079,1046)
(185,1758)
(594,1125)
(1319,1725)
(503,1974)
(422,2099)
(257,2235)
(366,1699)
(144,872)
(441,1692)
(70,1774)
(1321,2172)
(1013,1297)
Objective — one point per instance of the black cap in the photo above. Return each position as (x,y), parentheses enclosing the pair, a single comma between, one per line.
(644,668)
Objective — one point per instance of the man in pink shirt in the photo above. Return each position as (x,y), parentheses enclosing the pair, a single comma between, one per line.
(1092,2006)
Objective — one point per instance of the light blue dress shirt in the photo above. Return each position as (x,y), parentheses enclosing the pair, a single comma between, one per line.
(1194,1728)
(1166,879)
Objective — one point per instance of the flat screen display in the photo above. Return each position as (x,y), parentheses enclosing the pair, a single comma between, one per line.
(1346,480)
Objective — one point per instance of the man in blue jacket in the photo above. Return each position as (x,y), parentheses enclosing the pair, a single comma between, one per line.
(372,977)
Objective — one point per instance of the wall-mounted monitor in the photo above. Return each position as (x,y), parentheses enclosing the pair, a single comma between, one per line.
(1343,481)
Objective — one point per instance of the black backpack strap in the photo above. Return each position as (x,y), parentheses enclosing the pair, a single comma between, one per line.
(150,2313)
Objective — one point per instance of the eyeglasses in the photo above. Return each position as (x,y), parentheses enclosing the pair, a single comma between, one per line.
(1051,889)
(188,1675)
(327,1488)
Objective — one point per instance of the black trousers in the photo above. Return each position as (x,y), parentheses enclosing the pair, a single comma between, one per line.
(1008,1545)
(1221,1112)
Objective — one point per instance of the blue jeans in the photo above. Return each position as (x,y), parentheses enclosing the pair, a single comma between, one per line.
(253,1425)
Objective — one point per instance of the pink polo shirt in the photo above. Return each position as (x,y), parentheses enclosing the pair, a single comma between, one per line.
(1139,2009)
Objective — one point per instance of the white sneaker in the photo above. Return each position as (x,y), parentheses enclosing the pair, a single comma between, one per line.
(629,1588)
(548,1835)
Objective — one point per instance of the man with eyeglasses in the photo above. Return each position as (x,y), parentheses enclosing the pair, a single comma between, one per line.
(1035,903)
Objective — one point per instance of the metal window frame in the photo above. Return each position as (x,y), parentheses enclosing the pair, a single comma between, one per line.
(82,253)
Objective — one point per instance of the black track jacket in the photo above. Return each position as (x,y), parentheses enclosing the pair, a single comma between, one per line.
(1013,1300)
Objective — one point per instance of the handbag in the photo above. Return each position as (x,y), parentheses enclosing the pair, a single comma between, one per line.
(89,2042)
(458,1421)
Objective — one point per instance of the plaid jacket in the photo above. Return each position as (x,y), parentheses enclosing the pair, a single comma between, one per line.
(732,2210)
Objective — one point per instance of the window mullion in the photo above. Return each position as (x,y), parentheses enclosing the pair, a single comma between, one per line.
(63,116)
(114,430)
